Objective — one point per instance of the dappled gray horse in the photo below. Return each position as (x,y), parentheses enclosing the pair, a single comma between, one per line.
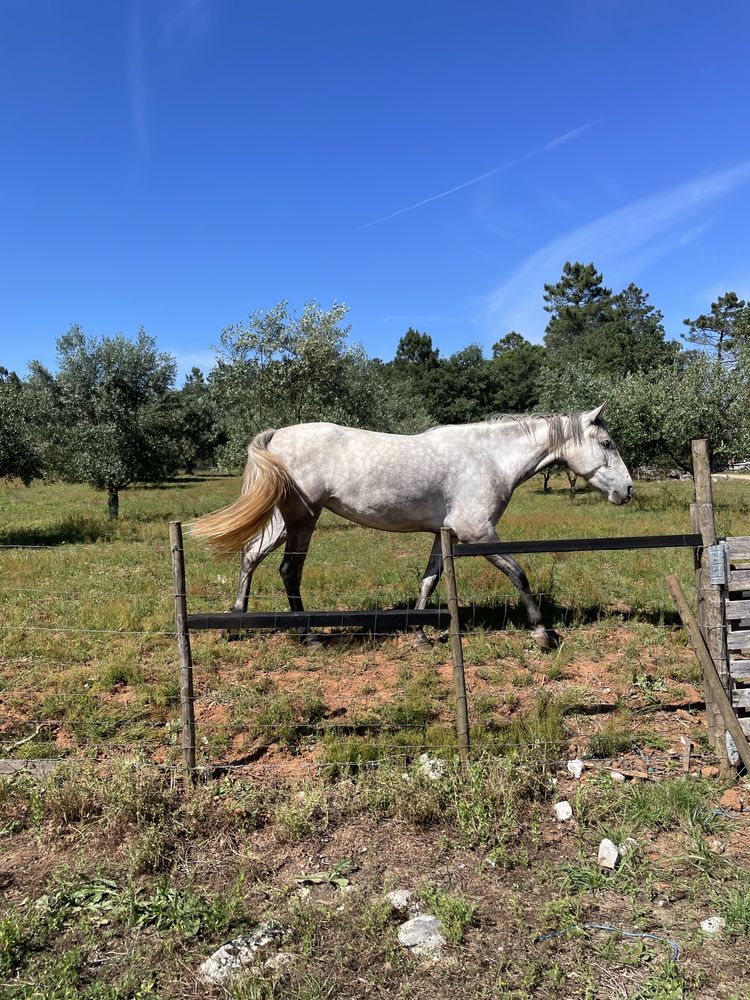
(460,477)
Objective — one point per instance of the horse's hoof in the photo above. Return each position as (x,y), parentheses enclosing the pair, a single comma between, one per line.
(421,641)
(313,643)
(545,638)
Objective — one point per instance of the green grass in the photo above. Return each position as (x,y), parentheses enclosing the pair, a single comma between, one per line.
(87,656)
(141,881)
(140,878)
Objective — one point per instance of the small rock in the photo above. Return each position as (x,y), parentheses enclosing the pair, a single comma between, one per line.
(627,846)
(431,767)
(423,936)
(304,892)
(716,846)
(713,925)
(608,856)
(402,901)
(575,767)
(232,958)
(563,811)
(734,799)
(709,771)
(617,776)
(281,960)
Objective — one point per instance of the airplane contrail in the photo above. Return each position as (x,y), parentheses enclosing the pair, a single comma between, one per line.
(560,140)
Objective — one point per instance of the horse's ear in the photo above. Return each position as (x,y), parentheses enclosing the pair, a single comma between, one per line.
(593,415)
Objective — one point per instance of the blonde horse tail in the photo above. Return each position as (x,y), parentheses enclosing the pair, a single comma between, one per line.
(266,483)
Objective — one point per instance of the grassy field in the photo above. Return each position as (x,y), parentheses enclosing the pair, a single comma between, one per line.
(116,881)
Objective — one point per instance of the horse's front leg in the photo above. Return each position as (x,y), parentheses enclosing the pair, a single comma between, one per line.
(544,638)
(430,580)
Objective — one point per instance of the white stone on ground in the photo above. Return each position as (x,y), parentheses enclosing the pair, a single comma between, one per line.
(402,901)
(608,855)
(575,767)
(281,960)
(423,936)
(713,925)
(431,767)
(236,956)
(563,810)
(617,776)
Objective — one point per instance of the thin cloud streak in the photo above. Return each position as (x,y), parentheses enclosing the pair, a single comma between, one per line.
(188,12)
(622,241)
(137,76)
(560,140)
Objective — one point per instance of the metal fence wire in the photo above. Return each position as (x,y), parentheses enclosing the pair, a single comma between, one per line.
(198,702)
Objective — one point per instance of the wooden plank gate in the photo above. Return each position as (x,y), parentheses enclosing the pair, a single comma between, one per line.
(733,565)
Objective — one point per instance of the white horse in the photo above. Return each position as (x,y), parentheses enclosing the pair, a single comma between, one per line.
(460,477)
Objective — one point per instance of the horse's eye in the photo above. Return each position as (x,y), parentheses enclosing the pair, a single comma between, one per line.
(607,443)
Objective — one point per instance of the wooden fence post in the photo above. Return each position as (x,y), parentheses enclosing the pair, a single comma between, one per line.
(187,698)
(710,604)
(457,651)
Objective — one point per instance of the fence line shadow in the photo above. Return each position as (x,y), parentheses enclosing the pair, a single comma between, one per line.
(494,618)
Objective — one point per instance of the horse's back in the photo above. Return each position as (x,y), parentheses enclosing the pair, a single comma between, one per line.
(392,481)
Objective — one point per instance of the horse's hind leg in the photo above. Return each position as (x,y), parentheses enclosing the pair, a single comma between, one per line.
(299,533)
(254,554)
(430,580)
(543,637)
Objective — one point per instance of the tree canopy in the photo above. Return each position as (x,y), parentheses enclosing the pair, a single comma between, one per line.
(19,453)
(618,333)
(110,415)
(280,368)
(108,412)
(723,329)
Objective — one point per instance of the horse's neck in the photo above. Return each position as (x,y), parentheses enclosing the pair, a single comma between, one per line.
(522,451)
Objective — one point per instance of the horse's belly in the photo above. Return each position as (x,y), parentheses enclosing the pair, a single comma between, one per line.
(390,517)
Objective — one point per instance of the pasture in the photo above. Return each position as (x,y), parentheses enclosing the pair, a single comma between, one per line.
(117,881)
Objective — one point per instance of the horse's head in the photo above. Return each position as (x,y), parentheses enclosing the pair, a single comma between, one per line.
(594,456)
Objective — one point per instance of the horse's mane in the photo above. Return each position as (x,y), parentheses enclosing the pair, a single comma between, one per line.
(562,426)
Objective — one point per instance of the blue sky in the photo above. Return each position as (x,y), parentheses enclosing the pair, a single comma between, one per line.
(180,163)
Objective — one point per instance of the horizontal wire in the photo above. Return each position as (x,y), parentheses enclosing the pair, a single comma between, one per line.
(483,760)
(374,727)
(94,631)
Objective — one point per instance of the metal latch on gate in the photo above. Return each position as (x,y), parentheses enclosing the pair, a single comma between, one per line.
(718,564)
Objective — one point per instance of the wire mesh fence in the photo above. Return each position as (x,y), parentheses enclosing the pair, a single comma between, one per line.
(89,667)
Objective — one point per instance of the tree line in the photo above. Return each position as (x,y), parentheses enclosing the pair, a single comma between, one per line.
(110,413)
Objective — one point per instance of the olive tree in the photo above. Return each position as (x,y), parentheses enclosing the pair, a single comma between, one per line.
(280,368)
(199,426)
(655,415)
(19,453)
(110,412)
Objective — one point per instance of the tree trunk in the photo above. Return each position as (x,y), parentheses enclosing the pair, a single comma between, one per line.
(113,503)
